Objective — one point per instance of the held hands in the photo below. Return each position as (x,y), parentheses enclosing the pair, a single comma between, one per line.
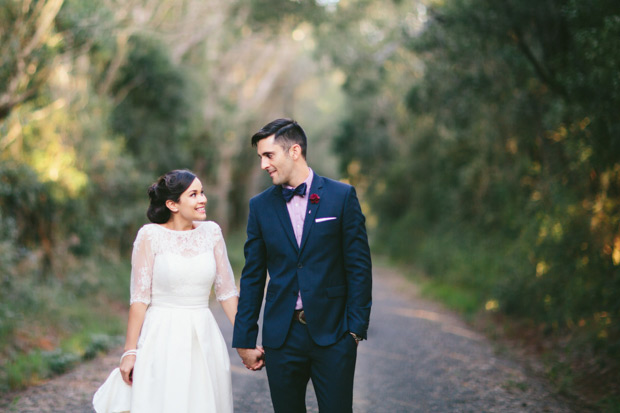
(253,358)
(128,359)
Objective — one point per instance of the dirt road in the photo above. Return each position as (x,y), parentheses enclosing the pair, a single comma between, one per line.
(418,358)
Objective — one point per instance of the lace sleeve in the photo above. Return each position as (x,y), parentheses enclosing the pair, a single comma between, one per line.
(141,268)
(224,278)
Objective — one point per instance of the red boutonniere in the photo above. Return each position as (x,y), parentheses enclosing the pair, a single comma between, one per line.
(314,199)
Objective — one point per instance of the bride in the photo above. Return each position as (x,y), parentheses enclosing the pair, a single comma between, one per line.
(175,357)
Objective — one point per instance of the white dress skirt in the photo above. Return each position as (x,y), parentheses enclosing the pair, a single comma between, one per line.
(182,363)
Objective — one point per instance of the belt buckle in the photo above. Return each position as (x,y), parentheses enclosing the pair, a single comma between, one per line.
(301,317)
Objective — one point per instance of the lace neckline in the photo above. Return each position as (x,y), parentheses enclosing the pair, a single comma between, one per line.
(197,225)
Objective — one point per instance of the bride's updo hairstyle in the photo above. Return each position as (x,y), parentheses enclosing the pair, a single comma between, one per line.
(168,187)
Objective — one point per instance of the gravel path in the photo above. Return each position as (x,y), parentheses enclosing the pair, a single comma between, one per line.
(419,358)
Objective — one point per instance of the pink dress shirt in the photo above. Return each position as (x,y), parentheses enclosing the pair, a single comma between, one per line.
(297,211)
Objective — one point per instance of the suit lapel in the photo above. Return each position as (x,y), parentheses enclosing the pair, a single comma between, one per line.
(316,188)
(285,218)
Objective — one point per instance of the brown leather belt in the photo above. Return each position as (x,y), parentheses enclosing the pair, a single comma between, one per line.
(299,315)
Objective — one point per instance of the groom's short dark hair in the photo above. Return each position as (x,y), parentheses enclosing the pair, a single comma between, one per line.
(286,133)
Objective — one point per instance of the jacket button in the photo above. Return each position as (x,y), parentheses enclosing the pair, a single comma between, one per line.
(300,265)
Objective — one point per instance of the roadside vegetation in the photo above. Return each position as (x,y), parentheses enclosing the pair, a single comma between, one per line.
(483,138)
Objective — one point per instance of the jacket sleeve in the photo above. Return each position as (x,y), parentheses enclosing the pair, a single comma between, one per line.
(252,286)
(357,264)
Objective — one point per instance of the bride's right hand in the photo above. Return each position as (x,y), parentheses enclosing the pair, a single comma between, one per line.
(126,368)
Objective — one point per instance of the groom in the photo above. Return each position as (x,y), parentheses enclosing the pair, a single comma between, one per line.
(308,233)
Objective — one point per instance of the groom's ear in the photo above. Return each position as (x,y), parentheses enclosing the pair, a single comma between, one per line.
(295,151)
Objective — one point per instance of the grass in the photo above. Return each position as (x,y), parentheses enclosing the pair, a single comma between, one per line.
(457,298)
(610,404)
(55,324)
(456,270)
(48,327)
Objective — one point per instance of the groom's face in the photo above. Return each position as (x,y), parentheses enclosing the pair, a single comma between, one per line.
(275,160)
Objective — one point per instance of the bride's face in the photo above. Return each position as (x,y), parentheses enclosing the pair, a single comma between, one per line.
(192,202)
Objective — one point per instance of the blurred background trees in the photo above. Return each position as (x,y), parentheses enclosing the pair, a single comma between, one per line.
(483,137)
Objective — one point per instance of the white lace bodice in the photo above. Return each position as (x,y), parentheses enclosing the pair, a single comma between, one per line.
(178,268)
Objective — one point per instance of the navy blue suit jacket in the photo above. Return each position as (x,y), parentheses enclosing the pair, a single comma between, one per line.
(331,268)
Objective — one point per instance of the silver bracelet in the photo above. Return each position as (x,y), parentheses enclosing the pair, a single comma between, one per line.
(128,353)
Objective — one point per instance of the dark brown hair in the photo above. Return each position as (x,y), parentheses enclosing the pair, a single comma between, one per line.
(168,187)
(286,133)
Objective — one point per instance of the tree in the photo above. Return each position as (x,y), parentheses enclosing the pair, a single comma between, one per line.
(28,49)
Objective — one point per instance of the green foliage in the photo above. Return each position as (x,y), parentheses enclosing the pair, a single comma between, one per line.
(610,405)
(59,362)
(24,369)
(154,115)
(453,296)
(234,247)
(26,206)
(265,13)
(82,23)
(29,368)
(590,73)
(50,326)
(499,126)
(485,138)
(100,343)
(21,28)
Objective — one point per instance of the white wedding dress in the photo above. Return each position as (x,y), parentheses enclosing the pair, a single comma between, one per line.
(182,363)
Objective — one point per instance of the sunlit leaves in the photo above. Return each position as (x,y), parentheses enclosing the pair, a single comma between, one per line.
(28,46)
(511,137)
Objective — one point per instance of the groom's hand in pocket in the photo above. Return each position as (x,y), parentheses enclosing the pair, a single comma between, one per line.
(253,358)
